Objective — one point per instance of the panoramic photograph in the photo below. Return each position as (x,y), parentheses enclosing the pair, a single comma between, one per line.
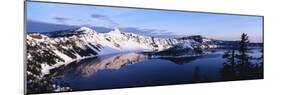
(71,47)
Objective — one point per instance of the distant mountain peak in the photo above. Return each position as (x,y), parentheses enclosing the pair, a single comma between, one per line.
(86,30)
(37,36)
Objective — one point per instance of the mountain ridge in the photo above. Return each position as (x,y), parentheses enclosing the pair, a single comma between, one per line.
(53,49)
(50,50)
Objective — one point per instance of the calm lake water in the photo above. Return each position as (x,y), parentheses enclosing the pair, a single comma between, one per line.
(137,69)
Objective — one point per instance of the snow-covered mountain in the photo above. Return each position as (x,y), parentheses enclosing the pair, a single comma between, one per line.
(50,50)
(53,50)
(204,41)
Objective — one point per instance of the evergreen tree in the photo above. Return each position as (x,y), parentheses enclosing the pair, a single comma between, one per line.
(243,58)
(228,71)
(238,65)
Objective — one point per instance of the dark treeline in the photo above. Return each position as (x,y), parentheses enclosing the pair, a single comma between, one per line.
(238,65)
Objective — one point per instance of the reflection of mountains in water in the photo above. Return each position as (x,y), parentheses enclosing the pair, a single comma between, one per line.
(89,67)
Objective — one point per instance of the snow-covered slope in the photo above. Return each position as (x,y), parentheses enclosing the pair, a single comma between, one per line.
(46,51)
(50,50)
(203,41)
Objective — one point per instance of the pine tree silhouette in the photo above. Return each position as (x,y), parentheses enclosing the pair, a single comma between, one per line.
(243,57)
(229,70)
(238,65)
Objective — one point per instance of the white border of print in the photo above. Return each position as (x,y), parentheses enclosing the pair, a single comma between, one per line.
(12,47)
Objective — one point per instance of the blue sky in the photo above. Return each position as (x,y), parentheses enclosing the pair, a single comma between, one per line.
(217,26)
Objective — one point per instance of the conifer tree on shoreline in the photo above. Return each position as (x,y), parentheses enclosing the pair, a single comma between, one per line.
(238,65)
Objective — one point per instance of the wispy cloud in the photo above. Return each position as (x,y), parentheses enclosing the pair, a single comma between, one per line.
(61,20)
(98,16)
(105,18)
(93,20)
(70,21)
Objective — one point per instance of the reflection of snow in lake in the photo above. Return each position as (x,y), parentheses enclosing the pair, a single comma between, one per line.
(115,71)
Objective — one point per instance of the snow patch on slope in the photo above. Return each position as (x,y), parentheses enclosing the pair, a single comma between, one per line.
(86,42)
